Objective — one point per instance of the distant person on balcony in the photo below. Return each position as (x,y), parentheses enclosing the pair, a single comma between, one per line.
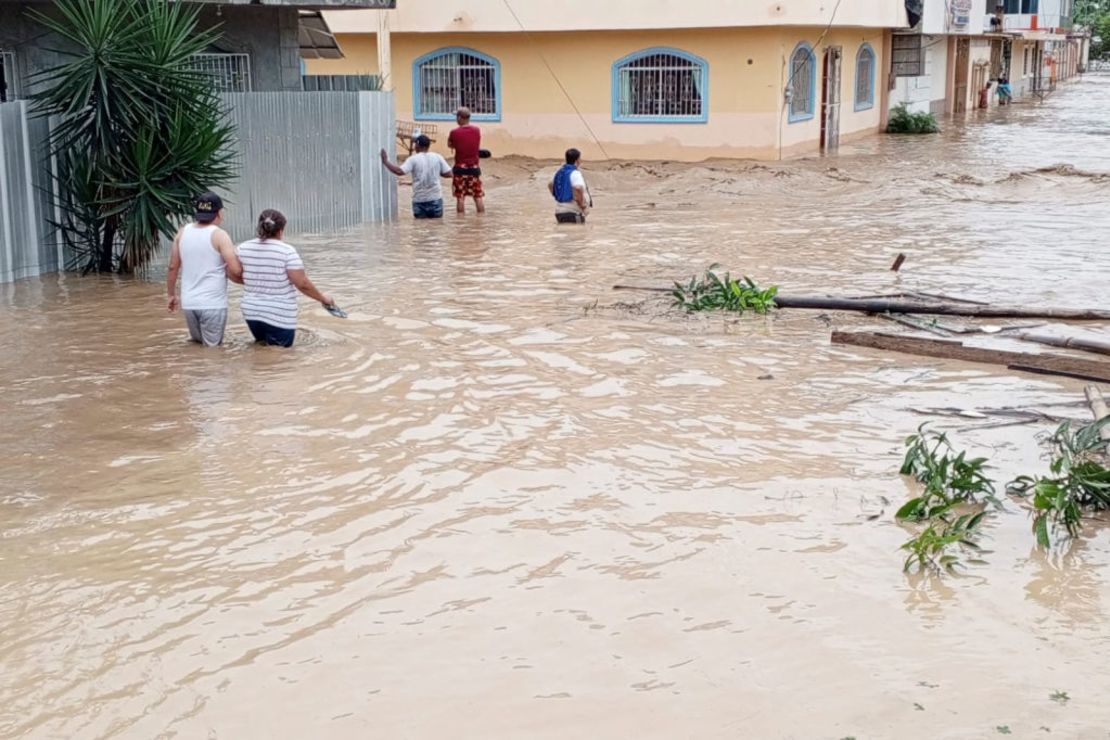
(572,197)
(204,256)
(426,168)
(466,141)
(1005,93)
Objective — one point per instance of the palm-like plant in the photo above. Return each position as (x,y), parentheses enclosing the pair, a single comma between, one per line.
(137,133)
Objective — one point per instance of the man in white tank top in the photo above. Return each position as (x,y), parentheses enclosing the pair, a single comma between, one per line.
(204,256)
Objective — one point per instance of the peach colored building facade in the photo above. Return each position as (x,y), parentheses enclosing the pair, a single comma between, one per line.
(717,79)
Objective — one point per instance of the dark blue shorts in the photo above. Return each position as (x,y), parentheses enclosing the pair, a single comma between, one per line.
(428,209)
(274,336)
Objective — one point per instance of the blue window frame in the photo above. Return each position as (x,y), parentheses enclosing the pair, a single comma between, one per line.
(447,79)
(802,83)
(660,85)
(865,78)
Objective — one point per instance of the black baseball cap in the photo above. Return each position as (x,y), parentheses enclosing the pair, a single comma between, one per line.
(208,206)
(423,141)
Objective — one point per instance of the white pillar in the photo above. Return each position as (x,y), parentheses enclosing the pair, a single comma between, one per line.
(385,52)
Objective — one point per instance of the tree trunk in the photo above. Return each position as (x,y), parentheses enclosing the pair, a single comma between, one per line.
(107,246)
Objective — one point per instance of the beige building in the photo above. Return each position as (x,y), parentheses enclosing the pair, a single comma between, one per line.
(633,78)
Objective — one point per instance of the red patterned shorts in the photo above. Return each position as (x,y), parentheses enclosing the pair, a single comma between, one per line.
(467,186)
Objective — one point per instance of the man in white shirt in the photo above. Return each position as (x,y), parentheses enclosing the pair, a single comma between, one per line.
(426,168)
(204,256)
(572,197)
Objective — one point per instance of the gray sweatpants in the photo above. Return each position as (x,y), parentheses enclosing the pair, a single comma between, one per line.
(207,326)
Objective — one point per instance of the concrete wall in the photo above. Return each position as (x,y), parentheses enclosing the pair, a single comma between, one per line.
(926,93)
(940,16)
(748,74)
(484,16)
(268,33)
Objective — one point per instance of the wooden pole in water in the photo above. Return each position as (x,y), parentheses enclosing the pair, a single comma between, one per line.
(1090,345)
(884,305)
(939,308)
(1049,364)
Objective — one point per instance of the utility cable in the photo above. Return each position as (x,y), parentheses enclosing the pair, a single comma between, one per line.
(555,77)
(790,79)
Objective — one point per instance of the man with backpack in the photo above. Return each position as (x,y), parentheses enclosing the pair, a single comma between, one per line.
(572,197)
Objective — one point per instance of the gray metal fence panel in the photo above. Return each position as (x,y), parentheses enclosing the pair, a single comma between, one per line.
(22,253)
(311,156)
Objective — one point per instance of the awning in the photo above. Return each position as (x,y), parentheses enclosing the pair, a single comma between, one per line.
(1040,35)
(315,38)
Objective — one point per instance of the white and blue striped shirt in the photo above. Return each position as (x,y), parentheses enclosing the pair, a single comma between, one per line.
(268,295)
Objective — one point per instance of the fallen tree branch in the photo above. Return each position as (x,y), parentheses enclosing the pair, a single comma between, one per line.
(954,350)
(956,307)
(943,309)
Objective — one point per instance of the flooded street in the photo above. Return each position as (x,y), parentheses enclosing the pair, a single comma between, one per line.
(502,500)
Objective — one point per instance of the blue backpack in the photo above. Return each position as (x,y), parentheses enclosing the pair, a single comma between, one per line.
(564,193)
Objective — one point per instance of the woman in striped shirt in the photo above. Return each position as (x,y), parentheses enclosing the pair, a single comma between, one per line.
(272,275)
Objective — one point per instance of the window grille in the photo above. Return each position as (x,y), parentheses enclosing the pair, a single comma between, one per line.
(9,80)
(453,79)
(865,78)
(803,71)
(229,72)
(907,56)
(654,85)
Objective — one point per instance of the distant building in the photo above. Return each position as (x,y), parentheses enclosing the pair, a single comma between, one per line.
(944,62)
(653,79)
(260,45)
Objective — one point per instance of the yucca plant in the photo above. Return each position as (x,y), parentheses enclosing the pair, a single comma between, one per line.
(136,133)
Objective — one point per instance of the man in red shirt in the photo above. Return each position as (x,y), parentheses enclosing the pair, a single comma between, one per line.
(466,141)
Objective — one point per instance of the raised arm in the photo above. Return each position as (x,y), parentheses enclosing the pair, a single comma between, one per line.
(172,274)
(222,242)
(390,166)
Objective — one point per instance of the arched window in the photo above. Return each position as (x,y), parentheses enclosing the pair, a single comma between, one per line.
(447,79)
(865,78)
(803,83)
(660,86)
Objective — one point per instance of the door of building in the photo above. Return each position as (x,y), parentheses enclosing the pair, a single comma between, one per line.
(979,81)
(959,85)
(830,100)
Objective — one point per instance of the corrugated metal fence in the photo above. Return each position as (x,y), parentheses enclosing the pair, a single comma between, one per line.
(24,201)
(311,155)
(314,157)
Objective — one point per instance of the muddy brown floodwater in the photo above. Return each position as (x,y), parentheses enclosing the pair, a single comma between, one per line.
(502,500)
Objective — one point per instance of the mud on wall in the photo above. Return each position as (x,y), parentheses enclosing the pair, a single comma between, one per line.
(747,72)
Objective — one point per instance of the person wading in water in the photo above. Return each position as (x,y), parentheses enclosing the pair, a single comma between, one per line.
(426,168)
(204,256)
(466,141)
(572,197)
(272,275)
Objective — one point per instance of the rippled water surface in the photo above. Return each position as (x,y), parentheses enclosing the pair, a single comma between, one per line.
(503,500)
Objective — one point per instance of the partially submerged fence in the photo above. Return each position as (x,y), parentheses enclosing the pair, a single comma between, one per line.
(24,204)
(311,155)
